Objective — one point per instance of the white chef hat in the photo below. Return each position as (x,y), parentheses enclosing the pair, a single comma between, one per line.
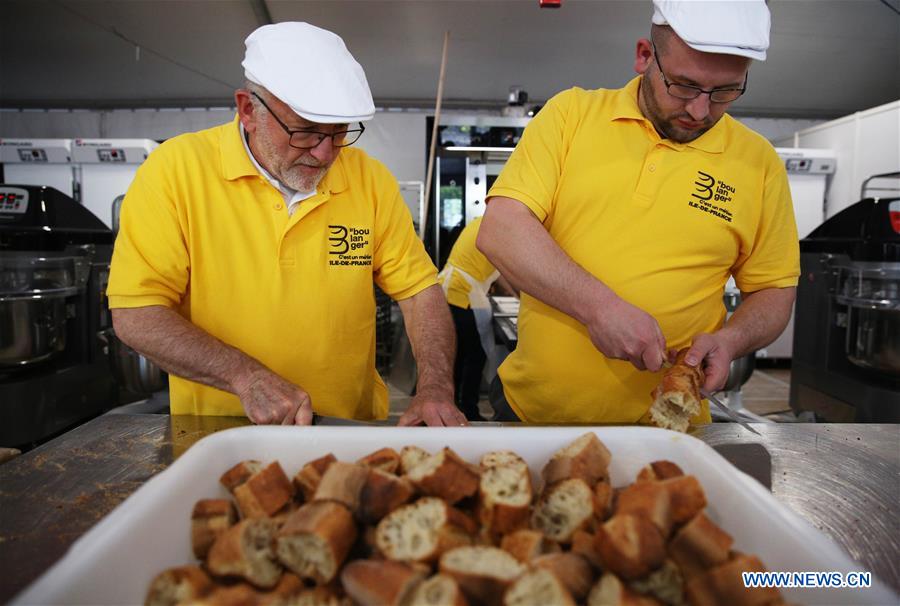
(310,70)
(733,27)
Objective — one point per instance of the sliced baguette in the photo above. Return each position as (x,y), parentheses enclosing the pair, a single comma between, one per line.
(382,493)
(630,546)
(724,585)
(264,493)
(586,458)
(611,591)
(483,573)
(537,588)
(379,582)
(699,545)
(385,459)
(445,475)
(563,508)
(178,585)
(648,499)
(527,544)
(504,498)
(659,470)
(239,474)
(411,456)
(245,551)
(423,530)
(572,570)
(307,479)
(315,540)
(209,519)
(342,482)
(439,590)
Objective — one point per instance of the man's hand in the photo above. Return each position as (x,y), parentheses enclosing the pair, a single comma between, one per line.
(715,353)
(624,332)
(434,409)
(269,399)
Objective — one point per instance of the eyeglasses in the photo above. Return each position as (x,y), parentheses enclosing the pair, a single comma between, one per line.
(308,139)
(687,92)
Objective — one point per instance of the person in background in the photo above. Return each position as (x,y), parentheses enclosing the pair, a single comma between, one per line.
(466,279)
(621,215)
(247,252)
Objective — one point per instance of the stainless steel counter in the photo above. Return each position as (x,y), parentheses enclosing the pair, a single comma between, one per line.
(844,479)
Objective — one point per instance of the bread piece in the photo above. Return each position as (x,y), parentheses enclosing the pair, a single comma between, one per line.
(177,585)
(439,590)
(307,479)
(583,544)
(381,494)
(209,519)
(411,456)
(379,582)
(659,470)
(586,458)
(677,397)
(611,591)
(502,458)
(245,551)
(686,497)
(699,545)
(666,584)
(239,474)
(342,482)
(315,540)
(483,573)
(603,500)
(527,544)
(537,588)
(385,459)
(572,570)
(422,531)
(648,499)
(504,498)
(724,585)
(630,546)
(264,493)
(445,475)
(563,508)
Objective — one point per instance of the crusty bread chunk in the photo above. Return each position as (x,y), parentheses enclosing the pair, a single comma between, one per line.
(686,497)
(411,456)
(439,590)
(611,591)
(315,540)
(699,545)
(527,544)
(239,474)
(563,508)
(381,494)
(264,493)
(342,482)
(423,530)
(482,572)
(307,479)
(666,583)
(502,458)
(648,499)
(245,551)
(677,397)
(178,585)
(444,474)
(659,470)
(385,459)
(586,458)
(537,588)
(379,582)
(210,518)
(572,570)
(504,498)
(603,500)
(724,585)
(584,545)
(630,546)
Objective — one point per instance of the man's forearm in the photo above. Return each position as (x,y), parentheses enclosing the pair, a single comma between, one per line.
(183,349)
(758,320)
(433,339)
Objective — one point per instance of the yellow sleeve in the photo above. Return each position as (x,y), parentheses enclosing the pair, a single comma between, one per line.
(532,173)
(774,259)
(400,264)
(150,263)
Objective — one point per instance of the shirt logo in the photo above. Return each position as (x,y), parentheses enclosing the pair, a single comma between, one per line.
(708,193)
(344,241)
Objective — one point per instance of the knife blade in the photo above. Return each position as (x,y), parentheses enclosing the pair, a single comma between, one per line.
(731,415)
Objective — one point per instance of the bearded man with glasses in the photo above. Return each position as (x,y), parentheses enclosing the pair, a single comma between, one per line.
(247,252)
(622,214)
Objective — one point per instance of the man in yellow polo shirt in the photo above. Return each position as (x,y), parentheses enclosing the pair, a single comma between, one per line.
(622,213)
(247,252)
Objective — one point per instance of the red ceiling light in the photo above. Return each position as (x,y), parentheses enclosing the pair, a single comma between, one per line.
(550,3)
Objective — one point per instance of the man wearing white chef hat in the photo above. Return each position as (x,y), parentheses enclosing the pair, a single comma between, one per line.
(622,214)
(247,252)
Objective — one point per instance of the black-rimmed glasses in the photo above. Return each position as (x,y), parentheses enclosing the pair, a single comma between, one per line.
(308,139)
(688,92)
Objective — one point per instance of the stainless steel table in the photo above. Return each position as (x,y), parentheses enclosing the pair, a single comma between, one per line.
(844,479)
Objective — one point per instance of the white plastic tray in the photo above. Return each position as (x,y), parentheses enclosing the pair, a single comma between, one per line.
(114,562)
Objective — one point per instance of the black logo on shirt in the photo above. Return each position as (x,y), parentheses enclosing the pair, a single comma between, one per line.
(344,240)
(708,191)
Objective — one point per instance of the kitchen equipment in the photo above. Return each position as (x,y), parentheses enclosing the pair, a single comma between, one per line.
(133,372)
(846,364)
(728,412)
(131,545)
(39,162)
(54,265)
